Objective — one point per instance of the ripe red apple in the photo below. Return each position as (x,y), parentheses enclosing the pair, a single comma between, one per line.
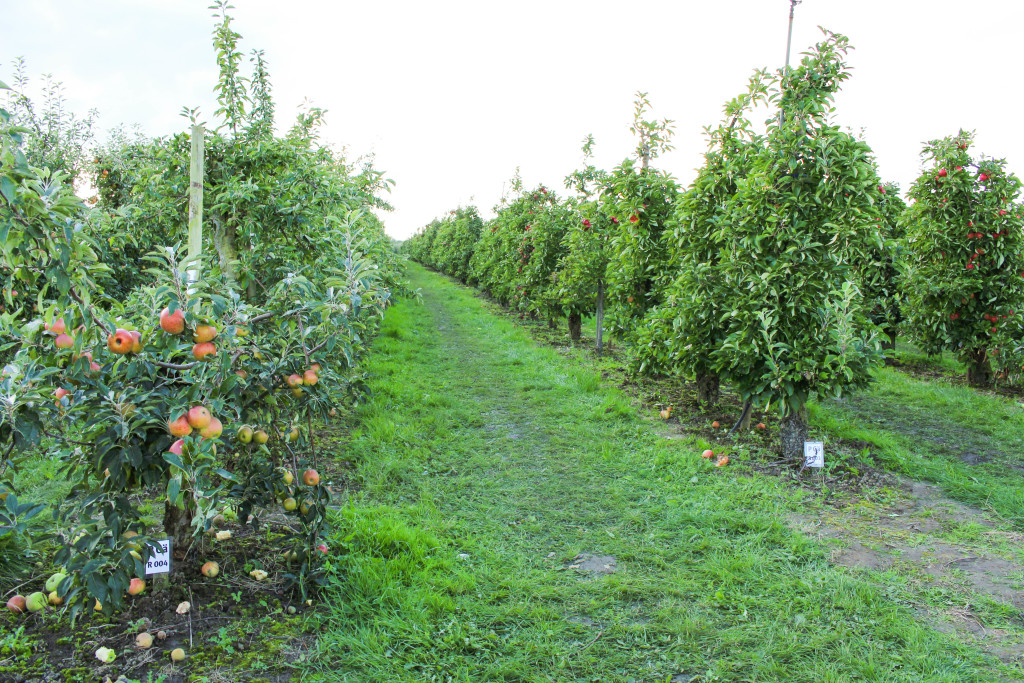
(310,378)
(136,586)
(323,548)
(172,323)
(199,417)
(210,569)
(17,604)
(708,454)
(61,392)
(942,173)
(64,341)
(212,430)
(179,427)
(177,446)
(58,326)
(716,424)
(136,341)
(294,380)
(204,333)
(310,478)
(202,350)
(121,342)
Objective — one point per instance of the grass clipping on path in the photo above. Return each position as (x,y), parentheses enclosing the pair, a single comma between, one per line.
(489,465)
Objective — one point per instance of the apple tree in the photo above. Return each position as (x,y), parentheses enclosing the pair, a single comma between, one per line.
(639,200)
(680,334)
(790,240)
(505,246)
(453,245)
(882,282)
(965,274)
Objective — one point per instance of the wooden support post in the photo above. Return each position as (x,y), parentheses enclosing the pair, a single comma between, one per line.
(195,205)
(600,316)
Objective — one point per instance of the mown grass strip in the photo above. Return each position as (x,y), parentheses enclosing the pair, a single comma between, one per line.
(969,442)
(489,464)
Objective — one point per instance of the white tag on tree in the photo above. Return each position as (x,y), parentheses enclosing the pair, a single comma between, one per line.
(814,453)
(159,562)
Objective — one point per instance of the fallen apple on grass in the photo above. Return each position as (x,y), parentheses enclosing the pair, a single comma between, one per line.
(17,604)
(36,602)
(210,569)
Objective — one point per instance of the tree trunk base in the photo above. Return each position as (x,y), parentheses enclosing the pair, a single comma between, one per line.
(979,369)
(793,431)
(890,345)
(575,326)
(707,389)
(178,527)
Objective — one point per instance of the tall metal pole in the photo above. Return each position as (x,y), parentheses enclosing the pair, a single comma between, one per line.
(789,42)
(789,37)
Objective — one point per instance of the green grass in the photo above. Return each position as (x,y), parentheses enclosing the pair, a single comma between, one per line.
(969,442)
(487,464)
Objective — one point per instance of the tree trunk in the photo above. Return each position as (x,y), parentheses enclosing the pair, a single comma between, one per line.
(224,243)
(793,432)
(979,370)
(552,323)
(178,526)
(575,326)
(891,344)
(707,389)
(600,316)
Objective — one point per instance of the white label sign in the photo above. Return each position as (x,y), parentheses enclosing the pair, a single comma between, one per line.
(159,562)
(814,454)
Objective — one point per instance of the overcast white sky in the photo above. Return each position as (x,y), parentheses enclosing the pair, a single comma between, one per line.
(452,96)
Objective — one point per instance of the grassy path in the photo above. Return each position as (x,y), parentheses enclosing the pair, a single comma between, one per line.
(518,522)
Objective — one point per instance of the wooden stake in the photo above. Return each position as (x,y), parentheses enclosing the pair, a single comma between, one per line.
(600,316)
(195,205)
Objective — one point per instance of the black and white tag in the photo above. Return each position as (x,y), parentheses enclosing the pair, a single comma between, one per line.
(814,453)
(159,562)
